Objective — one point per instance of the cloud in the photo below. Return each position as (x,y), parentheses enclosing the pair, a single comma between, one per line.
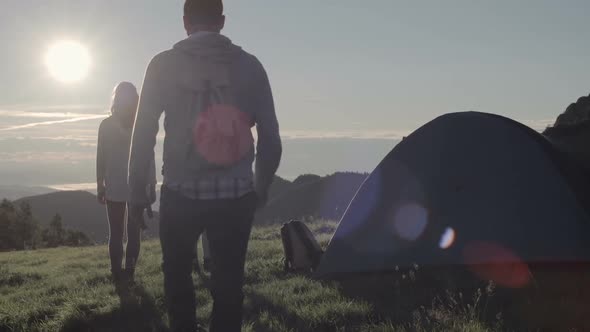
(538,125)
(90,186)
(346,134)
(18,117)
(49,108)
(88,144)
(48,123)
(79,138)
(24,114)
(383,134)
(46,157)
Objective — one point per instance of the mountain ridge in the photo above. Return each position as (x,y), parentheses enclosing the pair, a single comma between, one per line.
(15,192)
(307,196)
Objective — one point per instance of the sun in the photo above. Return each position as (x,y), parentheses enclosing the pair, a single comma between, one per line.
(68,61)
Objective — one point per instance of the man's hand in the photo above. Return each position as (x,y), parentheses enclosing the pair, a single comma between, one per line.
(151,192)
(101,196)
(136,215)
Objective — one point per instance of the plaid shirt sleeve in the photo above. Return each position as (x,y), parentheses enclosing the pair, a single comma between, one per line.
(214,188)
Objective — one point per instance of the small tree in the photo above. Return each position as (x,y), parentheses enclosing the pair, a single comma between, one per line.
(6,230)
(28,226)
(7,206)
(18,228)
(76,239)
(54,235)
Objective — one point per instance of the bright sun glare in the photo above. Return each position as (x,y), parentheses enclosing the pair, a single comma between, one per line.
(68,61)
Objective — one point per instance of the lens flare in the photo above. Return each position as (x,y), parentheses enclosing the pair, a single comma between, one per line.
(362,206)
(410,221)
(447,239)
(491,261)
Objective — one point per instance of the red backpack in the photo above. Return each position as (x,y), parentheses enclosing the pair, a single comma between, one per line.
(221,132)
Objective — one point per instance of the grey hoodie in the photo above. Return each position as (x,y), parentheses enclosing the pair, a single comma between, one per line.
(171,79)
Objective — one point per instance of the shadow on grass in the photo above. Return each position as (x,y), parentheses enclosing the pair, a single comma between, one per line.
(552,300)
(432,300)
(297,304)
(138,312)
(427,300)
(17,279)
(260,308)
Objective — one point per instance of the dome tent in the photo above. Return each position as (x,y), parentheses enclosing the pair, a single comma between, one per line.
(466,189)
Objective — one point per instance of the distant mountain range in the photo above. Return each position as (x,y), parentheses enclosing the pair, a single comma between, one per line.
(312,196)
(307,196)
(79,211)
(14,192)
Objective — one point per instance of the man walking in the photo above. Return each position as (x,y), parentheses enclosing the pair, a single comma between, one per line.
(212,93)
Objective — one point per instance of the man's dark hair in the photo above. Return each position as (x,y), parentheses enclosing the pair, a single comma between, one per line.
(203,11)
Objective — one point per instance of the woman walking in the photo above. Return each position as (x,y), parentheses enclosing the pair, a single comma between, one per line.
(114,140)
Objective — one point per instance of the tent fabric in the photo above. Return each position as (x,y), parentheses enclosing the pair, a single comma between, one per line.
(467,188)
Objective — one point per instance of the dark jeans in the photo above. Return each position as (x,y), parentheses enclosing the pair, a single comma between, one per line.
(117,216)
(228,224)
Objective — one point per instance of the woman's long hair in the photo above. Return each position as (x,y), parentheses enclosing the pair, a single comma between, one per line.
(124,103)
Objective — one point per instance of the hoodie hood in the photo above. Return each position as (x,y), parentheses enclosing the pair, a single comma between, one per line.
(207,44)
(207,57)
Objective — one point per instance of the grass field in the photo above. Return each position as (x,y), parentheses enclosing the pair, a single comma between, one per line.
(68,289)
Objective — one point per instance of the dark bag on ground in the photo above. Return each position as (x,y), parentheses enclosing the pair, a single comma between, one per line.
(302,251)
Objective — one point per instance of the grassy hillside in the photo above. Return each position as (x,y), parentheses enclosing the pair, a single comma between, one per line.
(69,290)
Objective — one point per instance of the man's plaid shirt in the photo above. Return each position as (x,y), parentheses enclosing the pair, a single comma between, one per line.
(214,188)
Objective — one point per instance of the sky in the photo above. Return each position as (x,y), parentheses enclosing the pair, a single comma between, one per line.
(350,77)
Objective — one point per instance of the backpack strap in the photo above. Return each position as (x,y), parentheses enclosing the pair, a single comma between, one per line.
(313,253)
(287,246)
